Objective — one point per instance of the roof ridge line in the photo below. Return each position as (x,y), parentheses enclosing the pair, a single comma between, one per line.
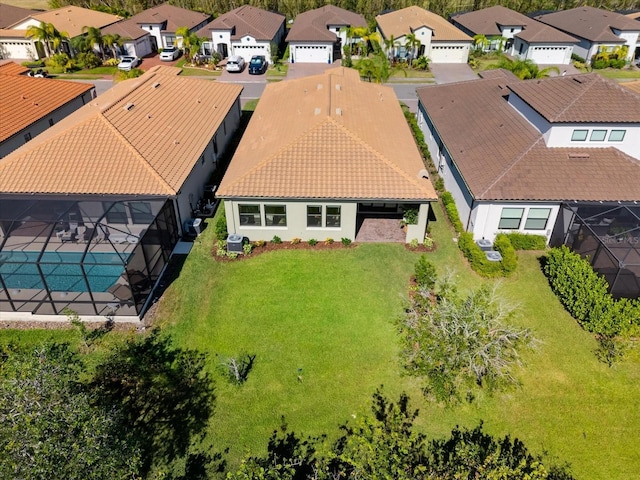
(138,155)
(513,164)
(142,80)
(575,99)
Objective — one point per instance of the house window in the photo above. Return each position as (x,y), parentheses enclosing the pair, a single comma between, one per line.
(141,212)
(510,218)
(333,216)
(617,135)
(537,218)
(598,135)
(275,215)
(117,213)
(314,216)
(250,215)
(579,135)
(170,39)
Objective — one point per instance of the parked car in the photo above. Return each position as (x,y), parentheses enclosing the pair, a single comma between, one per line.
(127,63)
(235,64)
(169,54)
(258,65)
(39,73)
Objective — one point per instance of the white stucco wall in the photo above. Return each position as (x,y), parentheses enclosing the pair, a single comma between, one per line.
(486,218)
(509,31)
(630,39)
(154,29)
(140,47)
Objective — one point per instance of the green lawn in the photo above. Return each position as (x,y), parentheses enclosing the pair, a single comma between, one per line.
(332,314)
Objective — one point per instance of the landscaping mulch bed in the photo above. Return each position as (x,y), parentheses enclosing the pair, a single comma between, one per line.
(272,247)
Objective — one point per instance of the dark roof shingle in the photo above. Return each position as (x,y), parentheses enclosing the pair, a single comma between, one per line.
(312,25)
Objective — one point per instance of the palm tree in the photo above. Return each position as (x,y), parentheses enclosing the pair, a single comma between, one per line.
(94,37)
(390,47)
(43,33)
(524,69)
(113,40)
(480,42)
(412,43)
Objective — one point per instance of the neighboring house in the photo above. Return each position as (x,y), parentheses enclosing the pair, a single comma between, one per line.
(29,106)
(245,31)
(91,209)
(163,20)
(136,41)
(343,154)
(12,42)
(440,41)
(595,29)
(317,36)
(517,35)
(545,156)
(70,20)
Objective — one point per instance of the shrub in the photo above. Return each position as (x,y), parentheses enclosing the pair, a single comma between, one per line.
(428,242)
(313,242)
(523,241)
(452,211)
(439,184)
(221,227)
(413,243)
(477,258)
(259,243)
(112,62)
(328,241)
(295,241)
(88,60)
(276,239)
(345,241)
(577,58)
(232,255)
(60,60)
(509,261)
(425,273)
(133,73)
(411,216)
(247,248)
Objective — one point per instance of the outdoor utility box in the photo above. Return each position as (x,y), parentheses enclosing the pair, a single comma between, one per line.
(197,226)
(484,244)
(234,243)
(493,256)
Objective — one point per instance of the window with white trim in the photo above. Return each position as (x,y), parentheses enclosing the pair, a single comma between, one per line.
(250,215)
(510,218)
(275,215)
(617,135)
(314,215)
(579,135)
(537,218)
(333,216)
(598,135)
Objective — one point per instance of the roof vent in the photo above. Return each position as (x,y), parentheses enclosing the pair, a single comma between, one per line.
(316,111)
(149,116)
(156,85)
(339,111)
(338,86)
(582,155)
(423,174)
(319,86)
(176,142)
(128,106)
(577,80)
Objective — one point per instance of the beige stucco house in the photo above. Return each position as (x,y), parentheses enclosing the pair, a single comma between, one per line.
(321,155)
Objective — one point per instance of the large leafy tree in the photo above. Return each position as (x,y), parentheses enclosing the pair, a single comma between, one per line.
(48,35)
(94,37)
(49,427)
(111,41)
(524,69)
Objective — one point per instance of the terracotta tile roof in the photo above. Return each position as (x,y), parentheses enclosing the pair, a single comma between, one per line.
(11,33)
(634,86)
(126,29)
(311,26)
(404,21)
(175,17)
(143,137)
(246,20)
(72,19)
(7,67)
(489,20)
(590,23)
(503,157)
(10,14)
(25,100)
(579,98)
(337,138)
(634,15)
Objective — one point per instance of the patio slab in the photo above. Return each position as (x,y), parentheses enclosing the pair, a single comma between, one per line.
(381,230)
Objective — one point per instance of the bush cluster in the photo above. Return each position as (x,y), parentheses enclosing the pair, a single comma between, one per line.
(452,211)
(221,226)
(425,273)
(478,259)
(584,293)
(524,241)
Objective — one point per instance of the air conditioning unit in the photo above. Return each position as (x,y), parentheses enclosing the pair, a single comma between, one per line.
(493,256)
(484,244)
(235,243)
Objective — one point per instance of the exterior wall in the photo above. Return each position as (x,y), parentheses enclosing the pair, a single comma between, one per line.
(17,140)
(15,48)
(425,35)
(154,29)
(296,211)
(219,37)
(205,165)
(509,31)
(449,52)
(310,52)
(140,47)
(486,218)
(342,35)
(583,48)
(419,231)
(631,40)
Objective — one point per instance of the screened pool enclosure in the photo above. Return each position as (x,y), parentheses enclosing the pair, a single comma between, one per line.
(97,256)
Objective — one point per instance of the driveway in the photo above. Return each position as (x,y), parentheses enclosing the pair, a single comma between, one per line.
(452,72)
(299,70)
(242,76)
(152,60)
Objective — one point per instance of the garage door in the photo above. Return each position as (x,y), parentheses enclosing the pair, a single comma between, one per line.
(546,55)
(449,54)
(312,54)
(248,51)
(20,50)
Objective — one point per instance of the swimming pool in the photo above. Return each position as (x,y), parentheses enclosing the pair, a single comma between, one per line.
(62,270)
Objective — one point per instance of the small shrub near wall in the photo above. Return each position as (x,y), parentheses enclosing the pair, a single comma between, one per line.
(523,241)
(478,259)
(452,211)
(509,260)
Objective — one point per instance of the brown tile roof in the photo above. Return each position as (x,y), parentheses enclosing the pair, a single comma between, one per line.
(143,137)
(10,14)
(7,67)
(634,15)
(311,26)
(634,86)
(72,20)
(404,21)
(489,20)
(126,29)
(590,23)
(498,73)
(246,20)
(25,100)
(337,138)
(11,33)
(580,98)
(503,157)
(175,17)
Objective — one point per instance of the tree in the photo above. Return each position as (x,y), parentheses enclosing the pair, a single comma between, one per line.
(390,47)
(480,42)
(49,426)
(524,69)
(94,37)
(461,343)
(412,44)
(190,42)
(112,41)
(48,35)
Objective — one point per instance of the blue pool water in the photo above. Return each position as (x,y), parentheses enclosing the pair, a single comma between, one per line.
(62,270)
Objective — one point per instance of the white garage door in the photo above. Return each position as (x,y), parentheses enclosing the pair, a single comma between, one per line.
(449,54)
(546,55)
(17,49)
(248,51)
(311,54)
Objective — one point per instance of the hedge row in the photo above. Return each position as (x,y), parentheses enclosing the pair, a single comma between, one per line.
(584,293)
(452,211)
(524,241)
(478,259)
